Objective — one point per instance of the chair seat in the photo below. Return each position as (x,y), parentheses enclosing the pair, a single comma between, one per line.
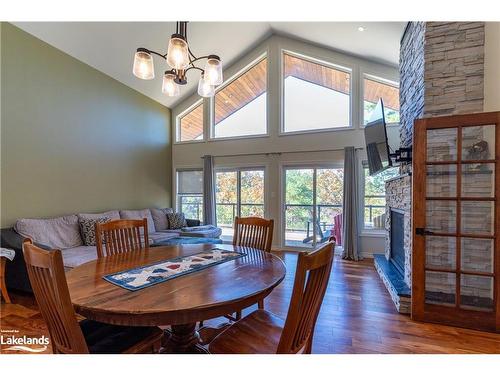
(257,333)
(104,338)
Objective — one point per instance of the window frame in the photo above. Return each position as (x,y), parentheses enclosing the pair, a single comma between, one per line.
(238,171)
(177,195)
(234,77)
(184,113)
(379,79)
(370,231)
(343,68)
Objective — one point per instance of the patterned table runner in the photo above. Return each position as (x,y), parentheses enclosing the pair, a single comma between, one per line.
(145,276)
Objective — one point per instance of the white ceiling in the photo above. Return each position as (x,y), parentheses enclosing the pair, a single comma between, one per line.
(109,46)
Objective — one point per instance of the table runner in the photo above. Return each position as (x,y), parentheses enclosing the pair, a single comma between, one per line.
(152,274)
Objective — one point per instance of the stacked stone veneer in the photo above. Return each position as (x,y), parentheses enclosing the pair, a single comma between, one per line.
(441,67)
(398,192)
(454,68)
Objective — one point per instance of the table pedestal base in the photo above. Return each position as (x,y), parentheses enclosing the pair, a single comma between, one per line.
(182,338)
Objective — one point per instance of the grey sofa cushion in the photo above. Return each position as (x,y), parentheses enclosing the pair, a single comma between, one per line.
(160,217)
(139,215)
(59,232)
(112,215)
(78,255)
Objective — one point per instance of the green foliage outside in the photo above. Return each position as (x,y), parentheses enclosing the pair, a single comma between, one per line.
(375,193)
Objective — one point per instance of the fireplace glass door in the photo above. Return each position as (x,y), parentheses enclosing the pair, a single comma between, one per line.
(455,219)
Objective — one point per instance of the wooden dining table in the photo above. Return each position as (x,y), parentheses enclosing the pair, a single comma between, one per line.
(180,302)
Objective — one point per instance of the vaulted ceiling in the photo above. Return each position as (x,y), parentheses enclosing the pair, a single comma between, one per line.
(110,46)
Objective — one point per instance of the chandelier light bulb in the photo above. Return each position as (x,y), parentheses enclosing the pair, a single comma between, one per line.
(177,54)
(143,64)
(213,70)
(169,87)
(205,89)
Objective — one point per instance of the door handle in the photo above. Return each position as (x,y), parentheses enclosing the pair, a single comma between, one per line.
(422,232)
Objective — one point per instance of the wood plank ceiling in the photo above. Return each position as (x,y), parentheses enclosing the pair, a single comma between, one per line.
(252,84)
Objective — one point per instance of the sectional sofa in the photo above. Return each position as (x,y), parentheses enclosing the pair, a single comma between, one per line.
(64,233)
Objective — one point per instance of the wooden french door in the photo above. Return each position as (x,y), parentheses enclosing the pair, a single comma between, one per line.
(456,221)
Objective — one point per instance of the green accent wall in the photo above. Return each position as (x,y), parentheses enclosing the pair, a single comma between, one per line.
(74,139)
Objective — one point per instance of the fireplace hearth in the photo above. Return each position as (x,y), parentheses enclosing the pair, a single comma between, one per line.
(394,267)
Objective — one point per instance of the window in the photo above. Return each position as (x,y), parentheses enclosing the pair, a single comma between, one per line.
(190,193)
(373,91)
(312,192)
(238,193)
(374,207)
(316,96)
(190,125)
(241,106)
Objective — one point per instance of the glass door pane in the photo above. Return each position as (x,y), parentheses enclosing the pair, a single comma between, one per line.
(329,192)
(299,203)
(252,193)
(226,201)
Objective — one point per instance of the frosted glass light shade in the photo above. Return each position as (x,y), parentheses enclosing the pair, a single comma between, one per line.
(213,70)
(143,64)
(169,87)
(205,89)
(177,54)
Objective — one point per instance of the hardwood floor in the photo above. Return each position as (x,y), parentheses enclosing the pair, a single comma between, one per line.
(357,316)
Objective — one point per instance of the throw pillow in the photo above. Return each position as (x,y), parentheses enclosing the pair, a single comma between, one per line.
(176,221)
(160,217)
(87,227)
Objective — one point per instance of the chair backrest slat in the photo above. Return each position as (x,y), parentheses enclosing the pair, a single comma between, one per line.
(253,232)
(46,274)
(311,280)
(121,236)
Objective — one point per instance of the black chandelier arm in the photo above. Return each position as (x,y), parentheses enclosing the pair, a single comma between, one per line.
(200,58)
(155,53)
(194,67)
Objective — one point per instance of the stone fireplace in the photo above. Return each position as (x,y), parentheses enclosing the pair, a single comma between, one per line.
(441,73)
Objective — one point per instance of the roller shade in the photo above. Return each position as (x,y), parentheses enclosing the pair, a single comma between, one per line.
(190,182)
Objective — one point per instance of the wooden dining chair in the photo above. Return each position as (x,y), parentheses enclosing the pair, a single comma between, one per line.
(262,332)
(67,335)
(121,236)
(253,232)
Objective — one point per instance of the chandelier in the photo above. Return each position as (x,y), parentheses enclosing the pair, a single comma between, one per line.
(181,60)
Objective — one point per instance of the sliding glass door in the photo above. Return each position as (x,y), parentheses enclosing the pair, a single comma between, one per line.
(312,205)
(238,192)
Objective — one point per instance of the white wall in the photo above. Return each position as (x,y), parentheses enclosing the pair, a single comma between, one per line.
(188,155)
(492,67)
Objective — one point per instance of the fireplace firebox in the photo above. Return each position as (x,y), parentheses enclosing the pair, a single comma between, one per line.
(397,251)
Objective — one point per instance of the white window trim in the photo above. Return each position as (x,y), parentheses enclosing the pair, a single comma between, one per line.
(342,68)
(246,68)
(178,123)
(379,79)
(176,205)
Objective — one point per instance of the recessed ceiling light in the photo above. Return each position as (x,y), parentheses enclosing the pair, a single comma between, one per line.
(361,28)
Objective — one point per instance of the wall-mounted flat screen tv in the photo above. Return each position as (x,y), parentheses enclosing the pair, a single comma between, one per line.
(377,147)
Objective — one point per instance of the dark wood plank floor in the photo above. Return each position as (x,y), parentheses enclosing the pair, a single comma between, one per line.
(357,316)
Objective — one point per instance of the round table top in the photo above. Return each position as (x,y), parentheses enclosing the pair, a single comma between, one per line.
(205,294)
